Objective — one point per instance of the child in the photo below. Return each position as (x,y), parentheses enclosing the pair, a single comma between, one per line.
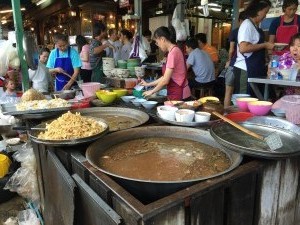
(10,87)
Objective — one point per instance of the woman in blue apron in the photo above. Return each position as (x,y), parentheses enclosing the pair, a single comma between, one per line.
(64,62)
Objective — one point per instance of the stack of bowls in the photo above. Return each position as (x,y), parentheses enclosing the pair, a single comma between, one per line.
(108,65)
(122,64)
(122,73)
(139,71)
(131,64)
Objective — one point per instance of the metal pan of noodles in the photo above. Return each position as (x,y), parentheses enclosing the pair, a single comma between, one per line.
(117,118)
(155,161)
(33,134)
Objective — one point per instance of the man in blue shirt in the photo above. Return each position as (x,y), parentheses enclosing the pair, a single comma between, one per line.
(201,63)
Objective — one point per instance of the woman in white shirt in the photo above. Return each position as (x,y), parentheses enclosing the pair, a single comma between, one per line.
(251,47)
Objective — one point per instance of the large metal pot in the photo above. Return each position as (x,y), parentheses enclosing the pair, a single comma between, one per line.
(148,191)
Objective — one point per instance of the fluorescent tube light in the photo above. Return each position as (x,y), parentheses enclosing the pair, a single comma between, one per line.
(10,10)
(40,2)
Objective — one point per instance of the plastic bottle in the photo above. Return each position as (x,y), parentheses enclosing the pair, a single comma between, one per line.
(274,70)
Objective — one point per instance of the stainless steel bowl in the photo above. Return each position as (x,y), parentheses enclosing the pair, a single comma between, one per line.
(65,94)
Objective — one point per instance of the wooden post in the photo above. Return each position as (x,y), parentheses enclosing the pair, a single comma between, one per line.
(19,39)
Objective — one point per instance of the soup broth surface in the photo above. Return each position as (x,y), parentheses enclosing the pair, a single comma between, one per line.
(164,159)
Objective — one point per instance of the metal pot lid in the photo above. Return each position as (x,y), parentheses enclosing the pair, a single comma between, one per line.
(236,140)
(95,150)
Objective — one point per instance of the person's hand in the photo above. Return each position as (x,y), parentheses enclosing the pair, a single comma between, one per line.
(148,93)
(59,70)
(227,64)
(67,86)
(144,83)
(269,45)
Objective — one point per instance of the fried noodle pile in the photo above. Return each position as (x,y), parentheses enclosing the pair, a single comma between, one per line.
(71,126)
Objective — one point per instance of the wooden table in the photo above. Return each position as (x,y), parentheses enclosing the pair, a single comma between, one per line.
(254,81)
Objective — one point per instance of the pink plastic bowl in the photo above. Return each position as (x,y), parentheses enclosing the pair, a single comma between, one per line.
(260,108)
(242,103)
(89,89)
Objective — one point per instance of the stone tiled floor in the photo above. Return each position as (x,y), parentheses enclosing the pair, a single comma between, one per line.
(11,208)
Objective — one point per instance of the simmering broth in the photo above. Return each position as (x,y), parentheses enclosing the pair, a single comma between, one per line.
(119,122)
(164,159)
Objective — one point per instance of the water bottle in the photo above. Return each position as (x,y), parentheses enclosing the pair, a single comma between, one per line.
(274,70)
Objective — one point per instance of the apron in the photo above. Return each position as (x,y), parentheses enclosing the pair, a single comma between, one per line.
(66,64)
(255,63)
(285,32)
(174,90)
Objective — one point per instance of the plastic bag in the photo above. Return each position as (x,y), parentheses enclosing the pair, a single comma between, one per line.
(204,4)
(179,26)
(28,217)
(138,51)
(4,56)
(24,180)
(11,221)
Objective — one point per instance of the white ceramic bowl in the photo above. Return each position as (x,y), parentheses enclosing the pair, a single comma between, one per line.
(108,72)
(202,116)
(122,73)
(127,98)
(184,115)
(167,112)
(138,101)
(149,104)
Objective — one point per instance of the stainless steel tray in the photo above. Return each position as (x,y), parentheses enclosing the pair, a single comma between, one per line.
(190,124)
(34,136)
(275,122)
(236,140)
(100,112)
(10,109)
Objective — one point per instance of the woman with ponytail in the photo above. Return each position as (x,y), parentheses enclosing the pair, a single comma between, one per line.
(175,74)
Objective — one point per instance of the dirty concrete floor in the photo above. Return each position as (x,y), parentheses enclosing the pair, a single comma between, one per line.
(11,208)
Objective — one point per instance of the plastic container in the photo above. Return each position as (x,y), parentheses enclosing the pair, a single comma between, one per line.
(89,89)
(106,97)
(291,105)
(4,165)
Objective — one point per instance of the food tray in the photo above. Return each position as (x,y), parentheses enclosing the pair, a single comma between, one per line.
(188,124)
(10,109)
(33,134)
(234,139)
(100,112)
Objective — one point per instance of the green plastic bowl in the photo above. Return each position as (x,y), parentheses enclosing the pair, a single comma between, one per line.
(122,64)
